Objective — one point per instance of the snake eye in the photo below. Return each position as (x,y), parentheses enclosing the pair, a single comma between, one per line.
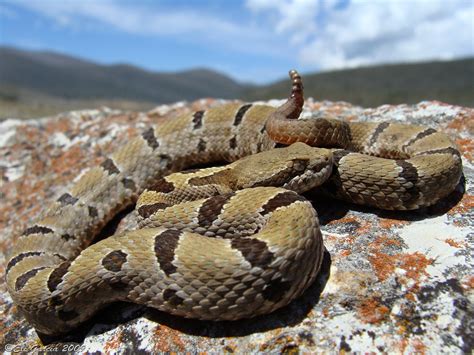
(299,167)
(298,164)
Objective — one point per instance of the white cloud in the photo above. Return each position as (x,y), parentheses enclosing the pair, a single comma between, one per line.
(313,34)
(133,19)
(147,20)
(332,34)
(296,17)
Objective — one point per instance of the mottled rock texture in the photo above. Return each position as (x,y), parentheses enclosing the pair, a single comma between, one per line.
(391,282)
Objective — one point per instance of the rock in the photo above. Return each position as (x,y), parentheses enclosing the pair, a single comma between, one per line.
(391,281)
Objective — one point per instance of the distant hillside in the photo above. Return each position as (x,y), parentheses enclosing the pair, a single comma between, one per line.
(449,81)
(34,83)
(67,77)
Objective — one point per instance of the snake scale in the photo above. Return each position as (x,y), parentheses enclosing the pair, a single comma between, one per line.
(219,243)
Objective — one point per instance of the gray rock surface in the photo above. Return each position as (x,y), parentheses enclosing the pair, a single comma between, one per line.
(391,282)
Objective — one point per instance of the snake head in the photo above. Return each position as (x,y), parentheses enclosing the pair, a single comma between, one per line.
(310,167)
(298,167)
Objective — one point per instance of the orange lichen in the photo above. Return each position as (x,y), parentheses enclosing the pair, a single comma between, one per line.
(36,166)
(363,226)
(111,346)
(53,126)
(131,131)
(344,220)
(68,159)
(466,146)
(167,339)
(403,343)
(464,206)
(464,120)
(28,134)
(329,238)
(383,265)
(384,241)
(453,243)
(469,283)
(414,264)
(372,311)
(388,223)
(349,239)
(418,347)
(345,253)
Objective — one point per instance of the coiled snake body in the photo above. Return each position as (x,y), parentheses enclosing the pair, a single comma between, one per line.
(219,243)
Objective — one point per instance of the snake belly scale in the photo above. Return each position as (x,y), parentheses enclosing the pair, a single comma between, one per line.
(219,243)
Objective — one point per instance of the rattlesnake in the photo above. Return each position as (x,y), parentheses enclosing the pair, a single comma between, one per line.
(220,243)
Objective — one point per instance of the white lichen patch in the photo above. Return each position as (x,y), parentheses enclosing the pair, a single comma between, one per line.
(164,109)
(60,139)
(344,325)
(8,131)
(113,131)
(435,109)
(14,171)
(142,331)
(431,326)
(79,114)
(425,113)
(274,103)
(436,238)
(467,164)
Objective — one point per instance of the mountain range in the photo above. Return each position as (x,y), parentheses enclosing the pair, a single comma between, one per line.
(69,77)
(58,80)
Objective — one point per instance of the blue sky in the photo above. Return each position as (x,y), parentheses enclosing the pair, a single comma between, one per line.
(251,40)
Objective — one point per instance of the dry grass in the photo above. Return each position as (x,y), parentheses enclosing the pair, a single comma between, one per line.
(32,105)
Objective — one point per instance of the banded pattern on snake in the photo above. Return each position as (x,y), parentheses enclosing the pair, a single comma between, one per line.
(219,243)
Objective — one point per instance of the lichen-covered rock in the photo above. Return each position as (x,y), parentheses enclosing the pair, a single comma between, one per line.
(391,281)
